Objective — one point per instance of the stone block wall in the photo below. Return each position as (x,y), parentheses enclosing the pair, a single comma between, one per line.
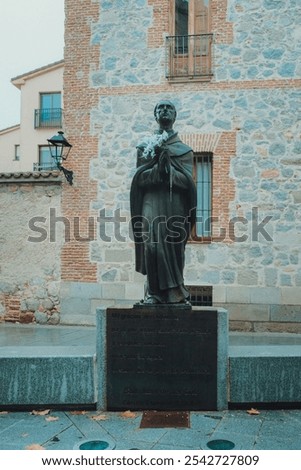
(246,115)
(30,265)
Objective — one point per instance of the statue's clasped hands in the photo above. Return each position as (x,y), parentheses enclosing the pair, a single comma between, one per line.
(164,163)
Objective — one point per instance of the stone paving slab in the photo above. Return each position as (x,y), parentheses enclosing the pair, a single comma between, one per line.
(269,430)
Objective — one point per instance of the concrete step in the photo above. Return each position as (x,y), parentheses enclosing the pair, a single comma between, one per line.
(60,375)
(47,365)
(265,368)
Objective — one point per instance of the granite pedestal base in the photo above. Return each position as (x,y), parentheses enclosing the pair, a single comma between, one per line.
(162,358)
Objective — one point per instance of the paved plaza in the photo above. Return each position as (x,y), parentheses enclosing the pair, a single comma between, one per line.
(63,430)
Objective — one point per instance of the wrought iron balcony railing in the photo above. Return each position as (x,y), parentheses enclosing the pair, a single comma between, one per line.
(189,56)
(48,117)
(48,166)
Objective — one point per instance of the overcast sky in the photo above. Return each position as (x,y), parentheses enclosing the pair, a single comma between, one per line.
(31,36)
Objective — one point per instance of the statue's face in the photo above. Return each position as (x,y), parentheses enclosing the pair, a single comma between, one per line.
(165,113)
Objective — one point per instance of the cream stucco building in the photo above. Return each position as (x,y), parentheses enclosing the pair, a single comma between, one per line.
(23,147)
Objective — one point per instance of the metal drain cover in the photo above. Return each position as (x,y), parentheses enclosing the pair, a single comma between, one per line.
(220,444)
(165,419)
(95,444)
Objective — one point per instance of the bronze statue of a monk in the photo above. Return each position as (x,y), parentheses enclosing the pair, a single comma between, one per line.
(163,202)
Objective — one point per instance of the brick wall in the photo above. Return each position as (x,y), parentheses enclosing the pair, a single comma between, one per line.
(81,58)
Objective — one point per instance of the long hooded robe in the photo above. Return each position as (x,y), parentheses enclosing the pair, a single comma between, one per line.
(163,214)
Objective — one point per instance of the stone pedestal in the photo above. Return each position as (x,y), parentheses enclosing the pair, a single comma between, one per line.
(162,358)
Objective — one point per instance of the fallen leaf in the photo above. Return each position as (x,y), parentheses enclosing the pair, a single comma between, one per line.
(128,414)
(99,417)
(35,447)
(51,418)
(253,411)
(76,412)
(40,412)
(3,412)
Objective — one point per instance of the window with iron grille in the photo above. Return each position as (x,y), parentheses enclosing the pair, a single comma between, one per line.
(200,296)
(188,49)
(50,113)
(203,180)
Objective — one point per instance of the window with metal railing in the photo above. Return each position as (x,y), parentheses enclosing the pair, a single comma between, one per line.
(189,47)
(46,162)
(188,56)
(48,117)
(50,113)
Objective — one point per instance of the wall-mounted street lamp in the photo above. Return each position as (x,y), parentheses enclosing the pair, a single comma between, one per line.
(59,150)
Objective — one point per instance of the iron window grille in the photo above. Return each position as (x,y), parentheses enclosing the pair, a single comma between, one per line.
(200,296)
(189,56)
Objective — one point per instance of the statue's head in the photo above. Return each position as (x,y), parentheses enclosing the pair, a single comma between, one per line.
(165,113)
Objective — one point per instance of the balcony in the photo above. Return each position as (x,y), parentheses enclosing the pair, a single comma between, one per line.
(48,117)
(189,57)
(47,166)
